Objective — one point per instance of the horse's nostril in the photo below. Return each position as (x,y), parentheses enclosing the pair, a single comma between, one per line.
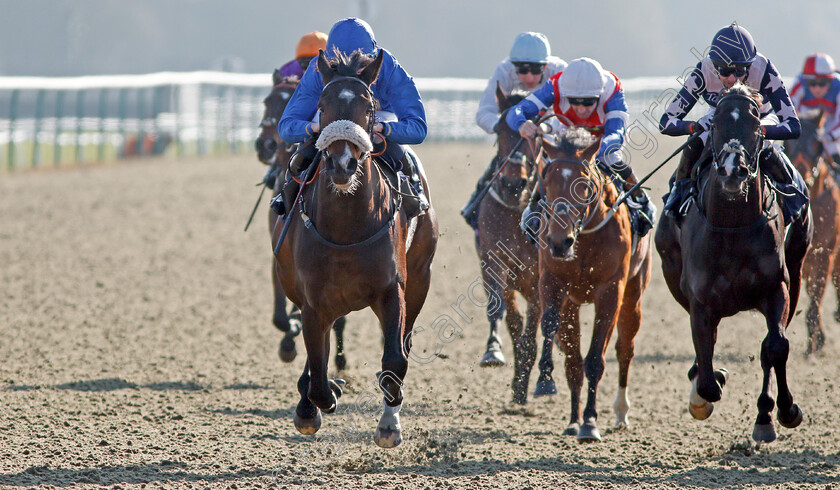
(270,145)
(568,242)
(742,172)
(721,171)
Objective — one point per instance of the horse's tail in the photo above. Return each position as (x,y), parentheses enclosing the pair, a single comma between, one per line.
(797,242)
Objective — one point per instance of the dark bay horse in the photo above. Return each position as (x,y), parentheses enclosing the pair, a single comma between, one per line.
(730,255)
(807,155)
(588,254)
(509,262)
(349,246)
(273,151)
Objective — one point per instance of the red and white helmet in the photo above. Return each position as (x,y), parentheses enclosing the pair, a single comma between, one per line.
(818,65)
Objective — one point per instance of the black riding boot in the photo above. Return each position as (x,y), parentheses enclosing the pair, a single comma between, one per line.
(304,155)
(412,185)
(793,191)
(470,210)
(300,161)
(681,181)
(530,223)
(270,178)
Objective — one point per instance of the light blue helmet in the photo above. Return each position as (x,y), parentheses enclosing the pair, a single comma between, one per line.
(530,47)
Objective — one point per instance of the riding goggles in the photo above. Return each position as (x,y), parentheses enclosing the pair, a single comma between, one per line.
(526,68)
(737,69)
(584,101)
(818,82)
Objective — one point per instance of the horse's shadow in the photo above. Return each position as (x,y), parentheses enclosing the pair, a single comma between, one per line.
(114,384)
(169,472)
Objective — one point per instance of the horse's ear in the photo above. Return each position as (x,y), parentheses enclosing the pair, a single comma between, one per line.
(370,72)
(587,153)
(327,73)
(501,98)
(277,77)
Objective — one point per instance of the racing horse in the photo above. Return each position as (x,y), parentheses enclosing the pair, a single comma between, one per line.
(350,246)
(730,254)
(509,262)
(806,153)
(587,255)
(273,151)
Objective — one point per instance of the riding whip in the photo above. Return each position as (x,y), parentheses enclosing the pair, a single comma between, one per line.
(484,190)
(250,218)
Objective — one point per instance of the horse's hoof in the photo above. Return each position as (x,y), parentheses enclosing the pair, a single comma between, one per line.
(288,351)
(337,386)
(520,399)
(340,362)
(545,388)
(621,424)
(794,420)
(764,433)
(589,433)
(492,358)
(308,427)
(701,411)
(572,429)
(387,438)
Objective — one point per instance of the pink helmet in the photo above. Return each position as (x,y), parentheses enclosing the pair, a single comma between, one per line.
(818,65)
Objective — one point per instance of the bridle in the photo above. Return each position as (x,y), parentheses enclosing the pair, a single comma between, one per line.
(735,146)
(564,208)
(271,122)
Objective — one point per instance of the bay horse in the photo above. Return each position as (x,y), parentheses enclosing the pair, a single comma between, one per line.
(273,151)
(350,246)
(509,261)
(807,155)
(730,255)
(588,254)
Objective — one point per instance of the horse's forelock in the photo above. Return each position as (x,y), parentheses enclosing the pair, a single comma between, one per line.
(349,65)
(574,140)
(743,89)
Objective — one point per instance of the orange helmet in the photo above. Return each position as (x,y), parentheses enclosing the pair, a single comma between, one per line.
(309,44)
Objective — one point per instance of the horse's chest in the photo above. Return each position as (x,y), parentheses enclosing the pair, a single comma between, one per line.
(733,279)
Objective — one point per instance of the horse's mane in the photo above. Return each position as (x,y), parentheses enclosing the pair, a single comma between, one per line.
(574,140)
(516,97)
(349,65)
(745,90)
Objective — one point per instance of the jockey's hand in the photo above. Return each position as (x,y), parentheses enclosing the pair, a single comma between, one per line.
(529,130)
(315,127)
(705,122)
(378,128)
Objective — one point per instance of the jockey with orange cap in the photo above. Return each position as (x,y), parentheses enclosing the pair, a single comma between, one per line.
(307,48)
(818,88)
(590,97)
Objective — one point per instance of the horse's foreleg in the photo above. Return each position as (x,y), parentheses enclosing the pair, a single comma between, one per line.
(706,388)
(629,322)
(568,339)
(775,349)
(816,271)
(551,323)
(307,416)
(496,306)
(289,325)
(338,328)
(525,352)
(391,313)
(316,336)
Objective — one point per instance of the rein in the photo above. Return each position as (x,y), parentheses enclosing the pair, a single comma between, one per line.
(580,225)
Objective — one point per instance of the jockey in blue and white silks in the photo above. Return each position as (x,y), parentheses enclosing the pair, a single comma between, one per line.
(590,97)
(733,57)
(401,118)
(818,88)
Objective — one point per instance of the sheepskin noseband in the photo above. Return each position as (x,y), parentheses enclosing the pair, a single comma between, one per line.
(344,130)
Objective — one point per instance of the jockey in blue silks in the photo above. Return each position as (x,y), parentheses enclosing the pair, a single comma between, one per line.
(733,57)
(590,97)
(401,120)
(818,88)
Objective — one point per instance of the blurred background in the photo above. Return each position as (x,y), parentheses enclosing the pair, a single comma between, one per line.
(217,57)
(431,38)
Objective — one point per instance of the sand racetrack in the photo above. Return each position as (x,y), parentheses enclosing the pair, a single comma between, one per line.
(137,350)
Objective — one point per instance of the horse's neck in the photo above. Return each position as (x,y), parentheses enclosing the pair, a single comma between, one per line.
(733,213)
(362,212)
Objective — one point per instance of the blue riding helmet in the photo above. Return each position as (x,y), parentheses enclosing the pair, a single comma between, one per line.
(349,35)
(733,45)
(530,47)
